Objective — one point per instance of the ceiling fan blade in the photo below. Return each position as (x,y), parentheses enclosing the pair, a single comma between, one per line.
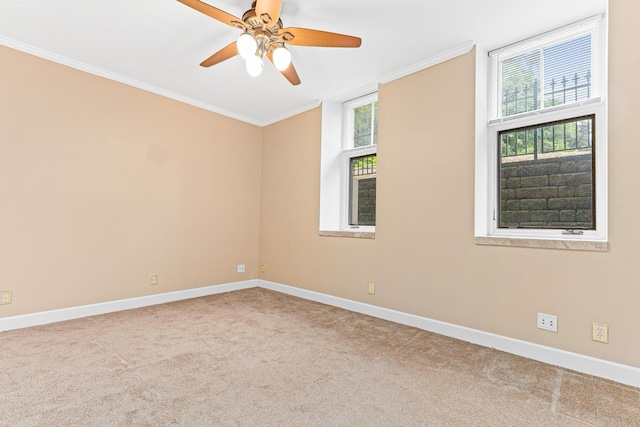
(270,7)
(290,73)
(307,37)
(223,54)
(211,11)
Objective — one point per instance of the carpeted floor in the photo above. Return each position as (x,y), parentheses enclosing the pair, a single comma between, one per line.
(261,358)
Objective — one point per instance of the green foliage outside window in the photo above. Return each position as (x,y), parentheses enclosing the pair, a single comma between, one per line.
(570,136)
(365,127)
(363,162)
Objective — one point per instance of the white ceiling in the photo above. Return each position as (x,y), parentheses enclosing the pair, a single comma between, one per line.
(158,44)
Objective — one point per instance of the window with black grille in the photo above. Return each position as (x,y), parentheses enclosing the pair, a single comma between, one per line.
(362,191)
(547,175)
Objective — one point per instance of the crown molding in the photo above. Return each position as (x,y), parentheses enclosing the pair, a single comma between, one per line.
(97,71)
(429,62)
(291,113)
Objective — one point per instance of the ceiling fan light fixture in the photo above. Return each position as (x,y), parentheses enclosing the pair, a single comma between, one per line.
(247,45)
(281,58)
(254,65)
(263,34)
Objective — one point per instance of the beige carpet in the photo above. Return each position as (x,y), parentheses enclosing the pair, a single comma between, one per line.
(260,358)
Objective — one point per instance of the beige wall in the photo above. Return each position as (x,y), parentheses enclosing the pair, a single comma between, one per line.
(103,184)
(423,259)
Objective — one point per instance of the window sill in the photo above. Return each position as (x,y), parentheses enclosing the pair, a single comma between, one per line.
(352,234)
(573,245)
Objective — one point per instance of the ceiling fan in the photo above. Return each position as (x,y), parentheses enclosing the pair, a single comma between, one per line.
(264,35)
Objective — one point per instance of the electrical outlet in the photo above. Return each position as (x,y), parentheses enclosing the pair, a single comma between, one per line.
(5,297)
(600,332)
(261,268)
(372,288)
(240,268)
(153,279)
(548,322)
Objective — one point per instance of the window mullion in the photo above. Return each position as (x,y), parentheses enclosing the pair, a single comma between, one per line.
(541,83)
(373,115)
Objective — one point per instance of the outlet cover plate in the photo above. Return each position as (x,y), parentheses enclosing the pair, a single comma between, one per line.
(5,297)
(240,268)
(600,332)
(548,322)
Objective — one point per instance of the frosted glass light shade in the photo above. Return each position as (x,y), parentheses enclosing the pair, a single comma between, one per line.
(254,65)
(246,45)
(281,58)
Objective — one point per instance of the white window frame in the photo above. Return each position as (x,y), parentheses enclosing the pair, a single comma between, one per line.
(349,118)
(348,153)
(334,165)
(489,124)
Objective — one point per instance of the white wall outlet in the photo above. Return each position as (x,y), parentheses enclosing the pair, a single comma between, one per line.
(600,332)
(372,288)
(240,268)
(548,322)
(153,279)
(5,297)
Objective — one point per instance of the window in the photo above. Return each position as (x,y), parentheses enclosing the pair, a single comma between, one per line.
(348,164)
(362,191)
(360,161)
(546,176)
(541,78)
(541,169)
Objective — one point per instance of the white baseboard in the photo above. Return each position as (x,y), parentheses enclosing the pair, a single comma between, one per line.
(45,317)
(617,372)
(620,373)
